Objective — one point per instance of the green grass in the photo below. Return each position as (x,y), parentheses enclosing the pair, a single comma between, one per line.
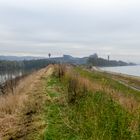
(106,81)
(93,117)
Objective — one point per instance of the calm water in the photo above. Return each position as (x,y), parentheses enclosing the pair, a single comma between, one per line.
(7,76)
(130,70)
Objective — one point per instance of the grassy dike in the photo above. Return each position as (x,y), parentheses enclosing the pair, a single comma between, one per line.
(106,80)
(75,111)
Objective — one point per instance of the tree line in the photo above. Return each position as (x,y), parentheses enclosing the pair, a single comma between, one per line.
(24,65)
(103,62)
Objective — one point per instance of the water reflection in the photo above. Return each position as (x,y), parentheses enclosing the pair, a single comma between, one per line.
(4,76)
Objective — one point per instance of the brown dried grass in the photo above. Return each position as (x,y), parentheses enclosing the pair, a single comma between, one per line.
(10,103)
(14,107)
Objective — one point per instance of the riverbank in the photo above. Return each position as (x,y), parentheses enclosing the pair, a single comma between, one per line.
(128,80)
(9,86)
(20,113)
(90,105)
(68,102)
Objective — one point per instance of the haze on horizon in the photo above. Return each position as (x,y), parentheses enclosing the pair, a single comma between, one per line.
(74,27)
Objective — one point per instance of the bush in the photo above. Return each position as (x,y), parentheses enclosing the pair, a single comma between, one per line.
(59,70)
(77,86)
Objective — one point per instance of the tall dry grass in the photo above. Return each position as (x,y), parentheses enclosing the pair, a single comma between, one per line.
(11,100)
(11,103)
(77,86)
(59,70)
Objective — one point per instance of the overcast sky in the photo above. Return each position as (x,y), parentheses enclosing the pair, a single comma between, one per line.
(75,27)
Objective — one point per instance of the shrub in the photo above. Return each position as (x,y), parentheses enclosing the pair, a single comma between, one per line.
(77,87)
(59,70)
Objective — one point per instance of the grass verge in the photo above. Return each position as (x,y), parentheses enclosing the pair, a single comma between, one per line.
(93,116)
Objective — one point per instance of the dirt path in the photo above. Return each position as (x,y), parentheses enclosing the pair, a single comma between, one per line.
(132,82)
(26,121)
(126,84)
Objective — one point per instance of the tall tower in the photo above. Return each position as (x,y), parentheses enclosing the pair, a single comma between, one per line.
(108,57)
(49,55)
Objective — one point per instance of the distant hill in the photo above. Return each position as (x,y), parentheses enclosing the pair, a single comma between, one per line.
(96,61)
(19,58)
(92,60)
(71,60)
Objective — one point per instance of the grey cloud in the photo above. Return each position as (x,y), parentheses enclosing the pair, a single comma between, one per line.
(58,29)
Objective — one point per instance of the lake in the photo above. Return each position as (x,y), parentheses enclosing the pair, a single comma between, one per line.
(129,70)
